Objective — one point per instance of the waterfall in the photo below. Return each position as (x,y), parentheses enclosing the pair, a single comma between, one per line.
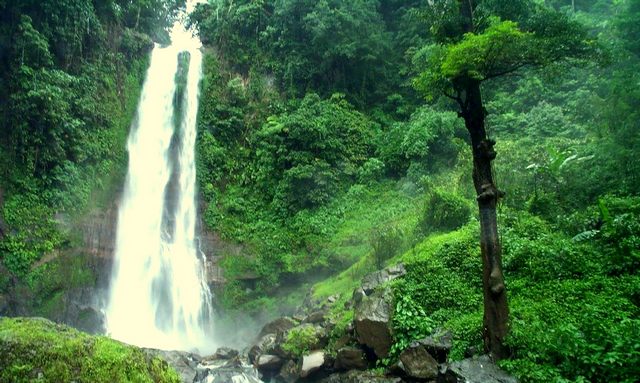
(158,295)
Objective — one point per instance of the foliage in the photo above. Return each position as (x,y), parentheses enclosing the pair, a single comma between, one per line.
(425,139)
(71,91)
(386,242)
(329,46)
(36,349)
(444,211)
(300,340)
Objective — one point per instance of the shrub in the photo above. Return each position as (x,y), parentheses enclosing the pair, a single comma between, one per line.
(444,211)
(300,340)
(386,242)
(371,171)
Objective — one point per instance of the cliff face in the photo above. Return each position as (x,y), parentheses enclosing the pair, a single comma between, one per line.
(73,283)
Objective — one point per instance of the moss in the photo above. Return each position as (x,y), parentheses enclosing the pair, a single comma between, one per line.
(34,349)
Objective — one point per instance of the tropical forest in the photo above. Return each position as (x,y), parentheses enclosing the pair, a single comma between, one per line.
(357,191)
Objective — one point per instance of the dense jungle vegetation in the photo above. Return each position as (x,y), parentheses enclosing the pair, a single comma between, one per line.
(326,145)
(71,74)
(331,144)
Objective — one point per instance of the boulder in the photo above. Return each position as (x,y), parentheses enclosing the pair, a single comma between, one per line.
(289,373)
(350,358)
(438,345)
(475,370)
(315,317)
(373,280)
(223,353)
(226,371)
(267,363)
(184,363)
(372,321)
(418,363)
(263,346)
(277,326)
(312,363)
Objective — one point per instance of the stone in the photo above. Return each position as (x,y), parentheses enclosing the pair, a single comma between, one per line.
(184,363)
(268,363)
(418,363)
(438,344)
(315,317)
(312,363)
(350,358)
(372,322)
(290,372)
(475,370)
(373,280)
(358,295)
(226,371)
(277,326)
(223,353)
(262,346)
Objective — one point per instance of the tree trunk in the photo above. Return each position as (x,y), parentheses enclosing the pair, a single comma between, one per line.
(496,310)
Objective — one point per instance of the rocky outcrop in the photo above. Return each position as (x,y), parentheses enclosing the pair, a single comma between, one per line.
(416,362)
(475,370)
(350,358)
(278,326)
(312,363)
(184,363)
(372,322)
(365,340)
(371,281)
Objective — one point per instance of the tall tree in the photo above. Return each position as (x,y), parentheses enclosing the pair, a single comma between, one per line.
(475,41)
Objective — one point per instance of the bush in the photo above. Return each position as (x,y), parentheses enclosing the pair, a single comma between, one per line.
(371,171)
(386,242)
(301,340)
(444,211)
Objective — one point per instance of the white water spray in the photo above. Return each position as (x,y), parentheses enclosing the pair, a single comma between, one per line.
(158,295)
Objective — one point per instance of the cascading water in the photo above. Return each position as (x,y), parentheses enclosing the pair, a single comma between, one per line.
(158,295)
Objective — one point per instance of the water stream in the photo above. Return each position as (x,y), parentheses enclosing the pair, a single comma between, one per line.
(158,296)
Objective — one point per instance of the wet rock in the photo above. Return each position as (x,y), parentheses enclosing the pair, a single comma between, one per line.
(373,280)
(268,363)
(373,322)
(418,363)
(475,370)
(184,363)
(290,372)
(277,326)
(262,346)
(350,358)
(359,377)
(358,295)
(438,345)
(226,371)
(312,363)
(223,353)
(315,317)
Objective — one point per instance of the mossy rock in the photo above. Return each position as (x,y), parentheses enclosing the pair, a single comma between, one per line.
(36,349)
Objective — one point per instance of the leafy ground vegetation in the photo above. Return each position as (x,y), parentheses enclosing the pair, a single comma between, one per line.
(318,155)
(37,350)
